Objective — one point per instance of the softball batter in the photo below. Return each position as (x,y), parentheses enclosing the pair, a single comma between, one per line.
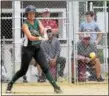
(33,30)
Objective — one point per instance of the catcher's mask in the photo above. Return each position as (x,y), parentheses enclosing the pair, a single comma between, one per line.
(30,8)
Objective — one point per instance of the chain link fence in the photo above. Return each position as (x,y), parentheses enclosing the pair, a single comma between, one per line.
(83,72)
(6,40)
(6,60)
(60,17)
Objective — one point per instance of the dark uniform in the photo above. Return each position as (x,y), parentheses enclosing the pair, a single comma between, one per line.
(31,50)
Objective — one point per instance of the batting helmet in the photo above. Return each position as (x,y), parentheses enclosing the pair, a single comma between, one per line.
(30,8)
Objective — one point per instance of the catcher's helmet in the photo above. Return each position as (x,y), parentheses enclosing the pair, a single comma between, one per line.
(30,8)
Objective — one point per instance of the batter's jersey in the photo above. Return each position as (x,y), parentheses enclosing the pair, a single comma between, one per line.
(34,29)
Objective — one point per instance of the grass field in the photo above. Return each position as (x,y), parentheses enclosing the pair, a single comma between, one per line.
(46,89)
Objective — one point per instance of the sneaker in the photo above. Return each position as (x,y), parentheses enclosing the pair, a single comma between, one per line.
(41,79)
(100,79)
(57,90)
(9,87)
(25,79)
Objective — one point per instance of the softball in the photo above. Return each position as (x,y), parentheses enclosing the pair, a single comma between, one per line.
(92,55)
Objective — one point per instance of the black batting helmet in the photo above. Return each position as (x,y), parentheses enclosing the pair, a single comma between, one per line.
(30,8)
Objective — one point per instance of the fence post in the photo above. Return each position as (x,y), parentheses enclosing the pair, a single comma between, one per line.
(69,21)
(3,48)
(108,33)
(73,14)
(16,34)
(91,6)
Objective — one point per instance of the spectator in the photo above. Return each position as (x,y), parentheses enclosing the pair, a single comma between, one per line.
(49,23)
(52,50)
(85,47)
(90,26)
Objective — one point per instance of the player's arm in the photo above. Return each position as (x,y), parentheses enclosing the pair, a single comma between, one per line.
(57,48)
(41,27)
(94,49)
(28,34)
(55,28)
(79,56)
(42,30)
(81,29)
(99,35)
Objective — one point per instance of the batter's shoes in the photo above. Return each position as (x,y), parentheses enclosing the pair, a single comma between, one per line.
(57,90)
(9,87)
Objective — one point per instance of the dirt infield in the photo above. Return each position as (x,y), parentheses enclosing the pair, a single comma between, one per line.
(46,89)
